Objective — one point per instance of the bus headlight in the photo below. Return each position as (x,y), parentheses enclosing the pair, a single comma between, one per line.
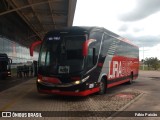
(77,82)
(81,81)
(39,80)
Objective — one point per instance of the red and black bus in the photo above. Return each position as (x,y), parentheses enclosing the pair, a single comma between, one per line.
(80,61)
(5,66)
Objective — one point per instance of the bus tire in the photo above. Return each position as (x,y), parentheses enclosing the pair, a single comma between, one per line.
(130,78)
(102,87)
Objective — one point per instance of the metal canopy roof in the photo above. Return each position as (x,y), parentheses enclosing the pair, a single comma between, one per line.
(43,15)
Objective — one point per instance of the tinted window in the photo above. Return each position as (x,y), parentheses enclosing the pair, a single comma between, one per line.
(125,49)
(62,52)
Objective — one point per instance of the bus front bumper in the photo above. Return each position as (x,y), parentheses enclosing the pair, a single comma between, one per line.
(70,93)
(74,90)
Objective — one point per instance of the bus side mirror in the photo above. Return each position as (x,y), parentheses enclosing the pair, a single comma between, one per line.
(86,45)
(33,45)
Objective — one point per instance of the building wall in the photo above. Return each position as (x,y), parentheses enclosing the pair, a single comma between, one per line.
(18,53)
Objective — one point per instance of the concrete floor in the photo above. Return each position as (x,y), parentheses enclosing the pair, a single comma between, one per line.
(24,97)
(12,81)
(149,84)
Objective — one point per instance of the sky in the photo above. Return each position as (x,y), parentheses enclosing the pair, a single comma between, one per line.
(136,20)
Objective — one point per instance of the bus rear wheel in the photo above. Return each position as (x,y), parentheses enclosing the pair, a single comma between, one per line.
(102,87)
(131,79)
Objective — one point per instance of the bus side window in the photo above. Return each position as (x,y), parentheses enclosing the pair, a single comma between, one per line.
(47,58)
(91,57)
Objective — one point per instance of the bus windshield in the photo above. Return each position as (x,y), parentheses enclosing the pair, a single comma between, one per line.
(61,55)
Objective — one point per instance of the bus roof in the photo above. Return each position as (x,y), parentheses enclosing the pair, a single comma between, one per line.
(87,30)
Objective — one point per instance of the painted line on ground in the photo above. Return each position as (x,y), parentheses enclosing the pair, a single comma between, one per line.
(126,106)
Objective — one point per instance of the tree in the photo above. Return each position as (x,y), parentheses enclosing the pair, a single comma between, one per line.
(152,63)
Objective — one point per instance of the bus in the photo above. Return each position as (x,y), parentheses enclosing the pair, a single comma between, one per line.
(79,61)
(5,66)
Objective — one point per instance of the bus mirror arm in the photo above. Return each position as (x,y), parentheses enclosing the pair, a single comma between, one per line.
(33,45)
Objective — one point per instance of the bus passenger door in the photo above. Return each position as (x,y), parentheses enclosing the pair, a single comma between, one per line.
(91,64)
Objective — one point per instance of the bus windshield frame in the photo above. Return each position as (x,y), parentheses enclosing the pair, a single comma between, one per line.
(62,55)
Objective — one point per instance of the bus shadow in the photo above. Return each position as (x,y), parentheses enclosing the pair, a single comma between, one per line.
(47,97)
(65,98)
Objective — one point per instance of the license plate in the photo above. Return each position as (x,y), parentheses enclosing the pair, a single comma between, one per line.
(63,69)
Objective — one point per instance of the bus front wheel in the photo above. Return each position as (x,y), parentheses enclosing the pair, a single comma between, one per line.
(131,78)
(102,87)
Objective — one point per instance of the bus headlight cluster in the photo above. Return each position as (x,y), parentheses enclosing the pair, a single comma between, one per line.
(81,81)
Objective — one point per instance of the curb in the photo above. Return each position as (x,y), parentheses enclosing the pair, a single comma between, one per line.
(127,105)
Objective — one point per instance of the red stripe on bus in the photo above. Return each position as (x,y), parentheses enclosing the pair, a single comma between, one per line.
(117,83)
(71,93)
(49,79)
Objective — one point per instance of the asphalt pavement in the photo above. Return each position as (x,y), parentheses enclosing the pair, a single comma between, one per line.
(148,83)
(143,95)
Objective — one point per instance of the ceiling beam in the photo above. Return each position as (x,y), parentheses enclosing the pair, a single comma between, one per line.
(52,10)
(46,13)
(36,15)
(26,6)
(50,23)
(13,5)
